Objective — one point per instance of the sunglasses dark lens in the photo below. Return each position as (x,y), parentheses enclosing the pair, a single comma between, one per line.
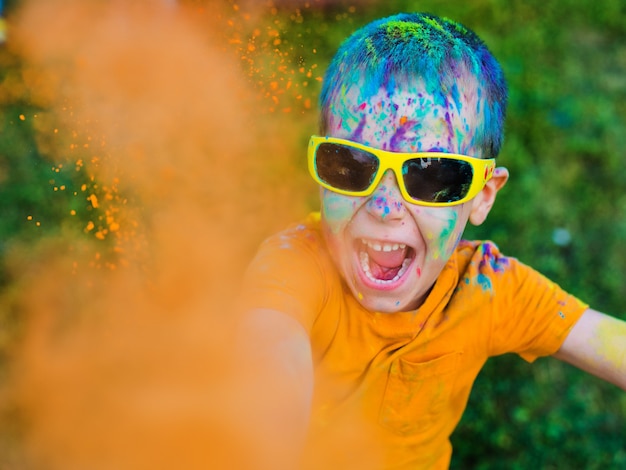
(344,167)
(437,179)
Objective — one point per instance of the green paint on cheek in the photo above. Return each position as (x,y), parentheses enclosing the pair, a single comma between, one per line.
(337,210)
(450,236)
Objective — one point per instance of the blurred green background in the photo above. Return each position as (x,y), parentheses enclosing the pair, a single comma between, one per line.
(563,210)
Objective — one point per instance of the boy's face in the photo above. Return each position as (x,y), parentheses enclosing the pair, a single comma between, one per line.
(389,251)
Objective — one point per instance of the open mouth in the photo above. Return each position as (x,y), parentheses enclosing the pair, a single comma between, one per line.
(384,263)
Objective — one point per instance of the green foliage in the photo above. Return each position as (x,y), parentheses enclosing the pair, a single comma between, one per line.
(36,195)
(564,213)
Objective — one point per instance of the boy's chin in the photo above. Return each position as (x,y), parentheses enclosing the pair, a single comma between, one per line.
(384,302)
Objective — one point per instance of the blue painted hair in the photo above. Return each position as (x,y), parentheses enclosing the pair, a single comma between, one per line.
(420,45)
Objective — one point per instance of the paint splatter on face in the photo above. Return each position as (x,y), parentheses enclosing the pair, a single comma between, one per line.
(336,210)
(390,251)
(407,119)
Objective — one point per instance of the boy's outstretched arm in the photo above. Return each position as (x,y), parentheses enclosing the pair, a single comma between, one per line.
(597,344)
(277,385)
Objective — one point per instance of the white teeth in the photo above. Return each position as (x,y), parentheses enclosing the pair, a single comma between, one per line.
(377,246)
(365,266)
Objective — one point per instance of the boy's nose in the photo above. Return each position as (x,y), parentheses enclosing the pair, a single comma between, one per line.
(386,202)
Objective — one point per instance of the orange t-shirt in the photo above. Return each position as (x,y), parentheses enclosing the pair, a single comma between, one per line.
(391,387)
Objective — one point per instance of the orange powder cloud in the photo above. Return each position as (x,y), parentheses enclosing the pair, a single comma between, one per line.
(124,360)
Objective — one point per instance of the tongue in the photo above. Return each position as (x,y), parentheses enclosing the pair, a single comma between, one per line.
(387,259)
(385,265)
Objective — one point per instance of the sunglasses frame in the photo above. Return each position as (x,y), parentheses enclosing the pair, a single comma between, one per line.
(482,169)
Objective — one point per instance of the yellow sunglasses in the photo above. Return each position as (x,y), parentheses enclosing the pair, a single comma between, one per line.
(434,179)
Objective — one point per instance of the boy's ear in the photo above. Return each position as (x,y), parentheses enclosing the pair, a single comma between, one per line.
(484,201)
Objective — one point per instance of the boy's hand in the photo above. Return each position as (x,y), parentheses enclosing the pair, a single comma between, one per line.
(597,344)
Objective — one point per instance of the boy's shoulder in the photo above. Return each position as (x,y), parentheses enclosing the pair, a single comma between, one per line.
(294,247)
(483,252)
(480,263)
(305,233)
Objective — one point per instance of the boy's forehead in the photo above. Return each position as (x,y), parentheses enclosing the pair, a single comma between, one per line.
(407,115)
(358,88)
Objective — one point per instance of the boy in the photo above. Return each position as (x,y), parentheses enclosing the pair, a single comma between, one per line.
(375,313)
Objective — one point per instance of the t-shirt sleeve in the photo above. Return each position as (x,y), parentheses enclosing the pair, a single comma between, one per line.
(533,314)
(286,276)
